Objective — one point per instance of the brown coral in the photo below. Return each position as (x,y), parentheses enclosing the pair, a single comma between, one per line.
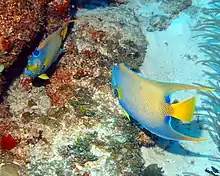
(4,111)
(144,140)
(57,13)
(20,21)
(60,90)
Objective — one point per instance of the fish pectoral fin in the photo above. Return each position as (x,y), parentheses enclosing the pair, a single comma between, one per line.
(43,76)
(171,87)
(118,92)
(183,110)
(47,61)
(127,115)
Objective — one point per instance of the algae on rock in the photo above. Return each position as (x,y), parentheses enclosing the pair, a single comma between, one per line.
(81,123)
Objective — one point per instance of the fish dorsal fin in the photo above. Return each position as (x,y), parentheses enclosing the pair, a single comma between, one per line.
(172,87)
(62,30)
(167,87)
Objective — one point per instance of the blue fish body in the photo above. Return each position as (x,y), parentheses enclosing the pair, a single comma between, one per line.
(148,102)
(46,54)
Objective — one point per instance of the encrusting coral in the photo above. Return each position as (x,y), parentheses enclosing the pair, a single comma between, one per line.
(72,124)
(20,22)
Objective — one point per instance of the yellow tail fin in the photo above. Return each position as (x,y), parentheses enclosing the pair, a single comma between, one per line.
(183,110)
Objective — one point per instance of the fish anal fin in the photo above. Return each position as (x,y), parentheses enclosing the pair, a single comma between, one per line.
(43,76)
(187,138)
(168,132)
(183,110)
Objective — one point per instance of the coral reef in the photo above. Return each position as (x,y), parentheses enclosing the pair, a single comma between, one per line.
(207,31)
(121,45)
(72,124)
(20,22)
(145,140)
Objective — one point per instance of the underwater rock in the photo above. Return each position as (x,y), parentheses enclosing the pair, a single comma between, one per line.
(33,101)
(4,109)
(175,7)
(144,140)
(153,170)
(57,13)
(156,15)
(95,44)
(20,22)
(119,39)
(72,124)
(92,4)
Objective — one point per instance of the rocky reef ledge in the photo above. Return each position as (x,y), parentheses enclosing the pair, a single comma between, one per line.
(71,124)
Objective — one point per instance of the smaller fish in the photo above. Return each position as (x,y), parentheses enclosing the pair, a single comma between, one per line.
(8,142)
(47,53)
(148,102)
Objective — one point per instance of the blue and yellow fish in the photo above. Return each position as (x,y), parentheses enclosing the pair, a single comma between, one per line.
(148,102)
(47,53)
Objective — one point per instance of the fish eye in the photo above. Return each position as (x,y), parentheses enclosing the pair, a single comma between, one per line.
(36,52)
